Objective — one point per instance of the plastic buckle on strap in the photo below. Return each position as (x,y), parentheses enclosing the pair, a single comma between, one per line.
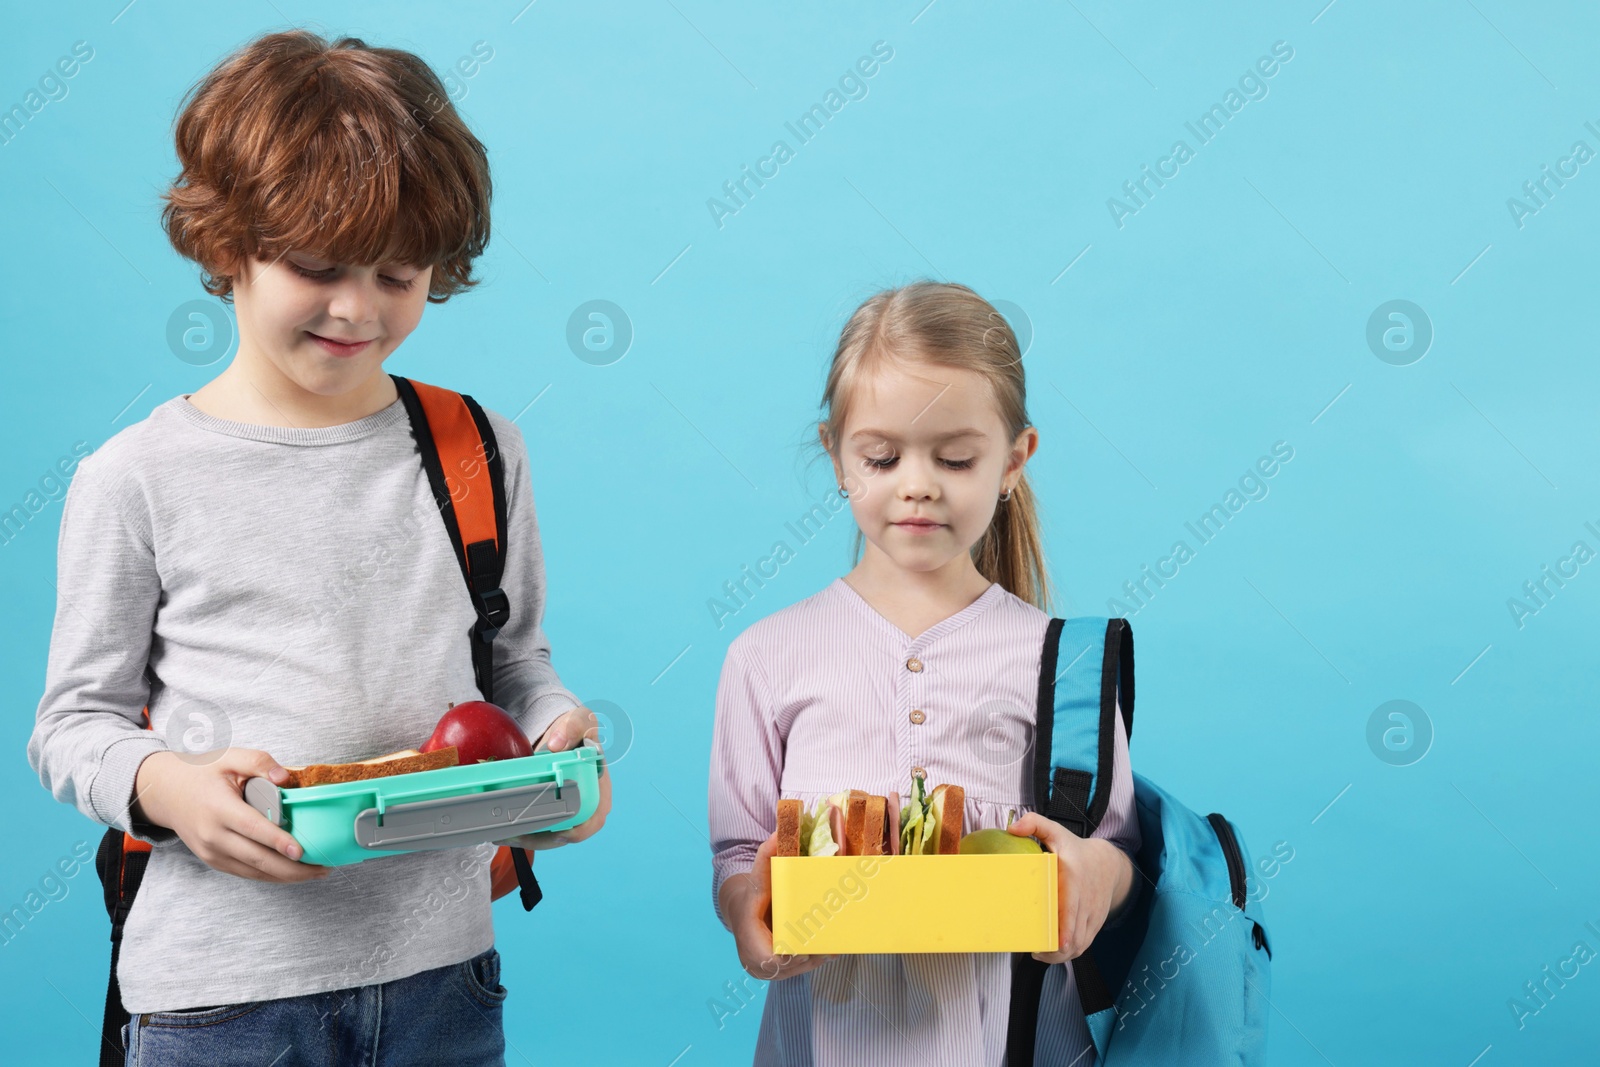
(496,612)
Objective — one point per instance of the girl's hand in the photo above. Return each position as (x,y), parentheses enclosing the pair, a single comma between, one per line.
(203,803)
(746,901)
(1095,877)
(565,733)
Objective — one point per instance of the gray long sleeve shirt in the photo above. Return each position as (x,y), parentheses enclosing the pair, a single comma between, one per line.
(290,590)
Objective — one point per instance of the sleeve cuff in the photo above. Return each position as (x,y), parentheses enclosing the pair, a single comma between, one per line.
(736,860)
(546,708)
(111,795)
(1129,905)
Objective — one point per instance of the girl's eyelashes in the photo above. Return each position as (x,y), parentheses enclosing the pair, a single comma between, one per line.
(953,464)
(401,285)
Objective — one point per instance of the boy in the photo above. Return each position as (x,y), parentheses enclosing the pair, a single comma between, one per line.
(263,565)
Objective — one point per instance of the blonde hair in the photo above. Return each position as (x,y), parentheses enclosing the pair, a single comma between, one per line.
(946,324)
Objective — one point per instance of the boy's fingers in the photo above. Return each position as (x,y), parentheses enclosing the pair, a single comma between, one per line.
(262,864)
(251,762)
(540,842)
(584,830)
(254,829)
(271,769)
(589,724)
(593,824)
(569,730)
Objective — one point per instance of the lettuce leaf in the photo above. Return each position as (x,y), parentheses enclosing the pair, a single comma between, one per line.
(915,825)
(930,825)
(816,835)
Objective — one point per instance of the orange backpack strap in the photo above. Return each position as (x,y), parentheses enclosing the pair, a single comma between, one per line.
(464,467)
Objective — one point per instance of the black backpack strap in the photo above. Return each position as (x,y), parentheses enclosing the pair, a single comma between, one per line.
(528,890)
(120,873)
(1077,800)
(487,563)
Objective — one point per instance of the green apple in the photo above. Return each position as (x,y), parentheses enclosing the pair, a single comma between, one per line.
(989,842)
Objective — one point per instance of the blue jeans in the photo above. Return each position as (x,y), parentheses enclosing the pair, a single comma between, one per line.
(446,1016)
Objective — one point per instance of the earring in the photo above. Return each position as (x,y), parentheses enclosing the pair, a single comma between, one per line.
(1005,496)
(844,492)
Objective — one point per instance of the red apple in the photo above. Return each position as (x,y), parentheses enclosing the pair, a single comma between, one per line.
(481,732)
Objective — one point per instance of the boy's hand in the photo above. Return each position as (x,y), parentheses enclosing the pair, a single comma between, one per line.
(746,901)
(569,731)
(1095,877)
(203,803)
(565,733)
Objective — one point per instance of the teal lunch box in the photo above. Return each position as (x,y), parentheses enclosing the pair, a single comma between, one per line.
(451,807)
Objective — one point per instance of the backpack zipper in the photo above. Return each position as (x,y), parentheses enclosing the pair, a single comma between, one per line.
(1230,852)
(1236,875)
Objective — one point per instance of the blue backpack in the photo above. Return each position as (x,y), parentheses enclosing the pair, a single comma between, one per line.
(1185,976)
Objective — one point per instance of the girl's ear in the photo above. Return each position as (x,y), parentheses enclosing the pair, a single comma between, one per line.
(1022,448)
(827,446)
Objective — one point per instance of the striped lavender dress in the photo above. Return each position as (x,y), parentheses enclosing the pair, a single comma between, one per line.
(827,694)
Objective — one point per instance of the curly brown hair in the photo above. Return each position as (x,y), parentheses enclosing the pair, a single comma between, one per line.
(349,153)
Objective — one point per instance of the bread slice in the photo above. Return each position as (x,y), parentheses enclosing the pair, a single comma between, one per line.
(949,805)
(788,828)
(403,762)
(875,833)
(855,824)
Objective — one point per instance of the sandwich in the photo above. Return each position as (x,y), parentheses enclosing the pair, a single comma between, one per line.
(856,823)
(849,823)
(402,762)
(931,823)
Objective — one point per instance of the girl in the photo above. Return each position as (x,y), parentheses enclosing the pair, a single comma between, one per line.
(909,666)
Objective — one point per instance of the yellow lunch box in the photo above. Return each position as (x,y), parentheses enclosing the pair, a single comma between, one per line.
(955,903)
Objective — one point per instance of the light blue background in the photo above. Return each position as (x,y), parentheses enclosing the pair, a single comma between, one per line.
(1227,315)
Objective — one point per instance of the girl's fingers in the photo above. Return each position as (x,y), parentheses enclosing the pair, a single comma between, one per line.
(777,967)
(1033,824)
(813,962)
(761,868)
(1058,839)
(766,968)
(754,935)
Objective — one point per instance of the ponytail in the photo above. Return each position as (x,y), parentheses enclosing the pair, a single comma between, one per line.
(1011,551)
